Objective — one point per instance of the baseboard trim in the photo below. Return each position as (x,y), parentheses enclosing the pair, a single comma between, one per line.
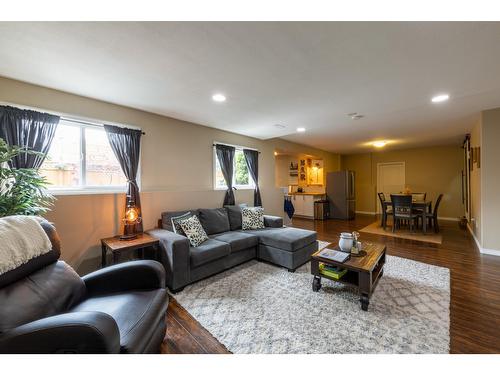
(366,212)
(478,245)
(490,252)
(482,250)
(448,218)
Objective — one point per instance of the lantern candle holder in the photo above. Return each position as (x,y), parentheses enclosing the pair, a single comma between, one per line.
(130,220)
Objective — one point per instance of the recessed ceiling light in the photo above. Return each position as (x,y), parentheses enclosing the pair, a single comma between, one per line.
(379,143)
(301,130)
(219,98)
(440,98)
(355,116)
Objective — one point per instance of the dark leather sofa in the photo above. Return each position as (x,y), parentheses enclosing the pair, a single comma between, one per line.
(228,245)
(45,307)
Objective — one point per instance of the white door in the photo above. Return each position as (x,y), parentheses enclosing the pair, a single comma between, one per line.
(390,180)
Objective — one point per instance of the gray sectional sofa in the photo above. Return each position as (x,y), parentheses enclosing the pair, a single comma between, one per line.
(228,245)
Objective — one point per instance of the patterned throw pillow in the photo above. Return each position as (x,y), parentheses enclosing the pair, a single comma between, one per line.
(194,231)
(176,222)
(252,218)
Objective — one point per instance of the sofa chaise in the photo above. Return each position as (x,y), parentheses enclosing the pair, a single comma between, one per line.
(228,245)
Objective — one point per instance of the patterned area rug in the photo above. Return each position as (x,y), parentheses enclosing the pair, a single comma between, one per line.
(260,308)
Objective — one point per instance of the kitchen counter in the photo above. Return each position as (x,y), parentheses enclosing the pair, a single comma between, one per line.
(304,203)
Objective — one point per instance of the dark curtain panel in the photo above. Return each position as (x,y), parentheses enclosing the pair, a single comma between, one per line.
(225,155)
(126,144)
(30,130)
(252,159)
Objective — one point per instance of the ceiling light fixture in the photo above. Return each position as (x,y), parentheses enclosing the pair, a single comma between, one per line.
(379,143)
(301,130)
(219,98)
(355,116)
(440,98)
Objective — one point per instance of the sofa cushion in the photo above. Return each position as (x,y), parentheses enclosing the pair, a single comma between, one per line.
(290,239)
(194,231)
(273,221)
(237,240)
(166,218)
(234,213)
(252,218)
(136,313)
(208,251)
(214,220)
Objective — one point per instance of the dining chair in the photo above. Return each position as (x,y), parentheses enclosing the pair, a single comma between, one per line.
(418,196)
(402,209)
(385,210)
(432,217)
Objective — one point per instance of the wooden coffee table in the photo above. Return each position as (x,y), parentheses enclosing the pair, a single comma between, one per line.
(364,272)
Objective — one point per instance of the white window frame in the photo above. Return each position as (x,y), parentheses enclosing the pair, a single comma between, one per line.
(250,186)
(89,122)
(85,189)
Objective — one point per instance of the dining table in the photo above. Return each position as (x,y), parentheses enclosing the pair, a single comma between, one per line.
(424,205)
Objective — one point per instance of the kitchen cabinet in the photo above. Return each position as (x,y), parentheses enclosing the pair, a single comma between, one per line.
(298,204)
(304,204)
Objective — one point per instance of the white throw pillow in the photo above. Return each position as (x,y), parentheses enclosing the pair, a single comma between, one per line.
(176,223)
(252,218)
(194,231)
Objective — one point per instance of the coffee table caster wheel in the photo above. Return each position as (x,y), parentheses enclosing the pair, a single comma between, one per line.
(364,303)
(316,284)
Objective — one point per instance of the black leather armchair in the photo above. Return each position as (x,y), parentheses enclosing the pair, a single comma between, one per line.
(45,307)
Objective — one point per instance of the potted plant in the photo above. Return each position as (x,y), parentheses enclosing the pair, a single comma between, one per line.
(23,190)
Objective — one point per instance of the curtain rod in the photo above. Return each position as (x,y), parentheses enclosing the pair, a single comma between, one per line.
(235,146)
(64,116)
(95,124)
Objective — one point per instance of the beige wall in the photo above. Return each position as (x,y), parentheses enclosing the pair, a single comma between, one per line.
(475,186)
(176,168)
(490,179)
(282,170)
(433,170)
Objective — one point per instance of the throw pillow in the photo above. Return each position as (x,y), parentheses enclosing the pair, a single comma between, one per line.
(252,218)
(176,222)
(194,231)
(234,213)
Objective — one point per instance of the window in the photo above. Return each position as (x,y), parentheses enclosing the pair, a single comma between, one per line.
(241,177)
(81,158)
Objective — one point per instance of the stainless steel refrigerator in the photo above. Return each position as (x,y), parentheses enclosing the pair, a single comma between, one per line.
(341,194)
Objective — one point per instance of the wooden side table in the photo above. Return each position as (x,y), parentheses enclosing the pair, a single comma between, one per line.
(116,246)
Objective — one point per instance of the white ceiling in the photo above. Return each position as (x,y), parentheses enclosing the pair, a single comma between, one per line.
(298,74)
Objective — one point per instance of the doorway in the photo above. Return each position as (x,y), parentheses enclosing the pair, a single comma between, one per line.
(390,179)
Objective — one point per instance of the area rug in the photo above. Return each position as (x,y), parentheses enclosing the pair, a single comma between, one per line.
(418,235)
(260,308)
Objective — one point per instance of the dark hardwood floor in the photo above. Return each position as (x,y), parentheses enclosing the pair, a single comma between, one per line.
(475,288)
